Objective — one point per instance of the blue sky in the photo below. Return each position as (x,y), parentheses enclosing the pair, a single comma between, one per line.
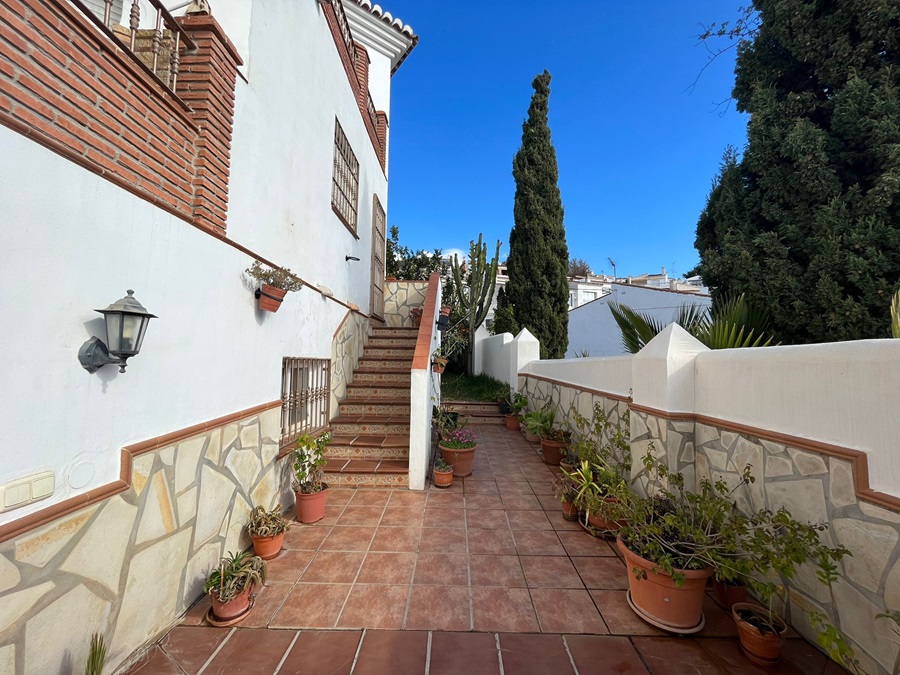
(636,151)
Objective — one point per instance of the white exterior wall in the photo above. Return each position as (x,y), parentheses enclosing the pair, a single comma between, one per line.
(593,329)
(611,374)
(210,352)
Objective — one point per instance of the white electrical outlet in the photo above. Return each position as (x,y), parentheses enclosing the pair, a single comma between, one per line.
(18,493)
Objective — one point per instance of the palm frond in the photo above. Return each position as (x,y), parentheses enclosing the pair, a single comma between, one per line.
(637,328)
(895,315)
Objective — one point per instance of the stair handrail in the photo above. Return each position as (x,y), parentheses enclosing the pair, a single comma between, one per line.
(424,390)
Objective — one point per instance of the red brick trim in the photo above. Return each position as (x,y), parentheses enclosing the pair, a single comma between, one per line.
(422,355)
(39,518)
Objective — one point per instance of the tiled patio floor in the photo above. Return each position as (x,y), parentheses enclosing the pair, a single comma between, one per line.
(481,576)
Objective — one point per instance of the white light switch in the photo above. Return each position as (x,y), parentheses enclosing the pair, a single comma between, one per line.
(22,491)
(42,485)
(16,494)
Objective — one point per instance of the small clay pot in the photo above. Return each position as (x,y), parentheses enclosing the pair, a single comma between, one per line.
(764,649)
(439,365)
(270,297)
(530,437)
(232,609)
(461,459)
(311,507)
(554,451)
(570,511)
(512,422)
(267,547)
(442,479)
(728,594)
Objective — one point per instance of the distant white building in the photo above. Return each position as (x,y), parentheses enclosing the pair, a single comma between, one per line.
(593,330)
(663,280)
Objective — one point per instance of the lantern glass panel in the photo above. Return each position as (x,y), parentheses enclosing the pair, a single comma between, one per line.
(113,331)
(132,333)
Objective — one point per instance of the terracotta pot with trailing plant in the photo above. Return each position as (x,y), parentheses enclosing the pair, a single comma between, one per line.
(597,486)
(232,586)
(567,492)
(458,450)
(443,474)
(554,439)
(266,529)
(275,283)
(515,404)
(415,314)
(308,483)
(439,364)
(530,422)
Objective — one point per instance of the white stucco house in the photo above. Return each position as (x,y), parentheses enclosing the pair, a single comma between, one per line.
(163,155)
(593,330)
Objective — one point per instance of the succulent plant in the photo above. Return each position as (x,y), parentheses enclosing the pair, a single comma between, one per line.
(264,523)
(234,574)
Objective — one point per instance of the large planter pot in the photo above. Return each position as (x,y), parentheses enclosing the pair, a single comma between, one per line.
(512,422)
(570,511)
(554,451)
(598,522)
(267,547)
(231,610)
(311,507)
(656,598)
(460,459)
(763,649)
(270,297)
(442,479)
(729,594)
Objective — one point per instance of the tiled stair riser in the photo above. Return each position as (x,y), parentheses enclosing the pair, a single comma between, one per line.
(369,429)
(388,480)
(392,409)
(376,352)
(362,391)
(366,452)
(397,378)
(385,362)
(395,342)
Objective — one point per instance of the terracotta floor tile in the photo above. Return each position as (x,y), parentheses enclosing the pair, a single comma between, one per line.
(359,516)
(387,568)
(289,565)
(343,538)
(403,516)
(542,486)
(329,652)
(496,570)
(604,573)
(339,496)
(583,544)
(544,571)
(549,502)
(375,606)
(439,517)
(675,656)
(305,537)
(619,617)
(497,542)
(401,652)
(520,502)
(311,606)
(445,500)
(442,569)
(560,524)
(442,540)
(396,539)
(439,608)
(483,502)
(799,656)
(528,520)
(370,497)
(503,609)
(535,655)
(482,487)
(727,654)
(155,662)
(718,622)
(267,602)
(514,488)
(191,647)
(604,655)
(251,650)
(538,542)
(196,615)
(334,567)
(407,498)
(468,653)
(486,519)
(567,611)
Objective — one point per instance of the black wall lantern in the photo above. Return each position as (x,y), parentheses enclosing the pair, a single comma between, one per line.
(443,322)
(126,323)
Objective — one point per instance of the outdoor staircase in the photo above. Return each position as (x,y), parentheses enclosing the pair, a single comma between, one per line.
(370,435)
(476,412)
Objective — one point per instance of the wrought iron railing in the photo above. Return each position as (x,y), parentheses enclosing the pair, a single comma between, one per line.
(344,26)
(157,49)
(305,396)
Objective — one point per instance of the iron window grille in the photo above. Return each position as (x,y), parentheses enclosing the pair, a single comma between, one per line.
(305,397)
(344,179)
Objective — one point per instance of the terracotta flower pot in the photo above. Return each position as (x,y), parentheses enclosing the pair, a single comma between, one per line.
(442,479)
(657,598)
(764,649)
(311,507)
(570,511)
(565,466)
(270,297)
(512,422)
(439,365)
(531,438)
(729,594)
(554,451)
(267,547)
(601,523)
(232,609)
(460,459)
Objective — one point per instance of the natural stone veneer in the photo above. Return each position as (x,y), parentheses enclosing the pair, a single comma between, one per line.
(399,298)
(811,485)
(346,350)
(129,566)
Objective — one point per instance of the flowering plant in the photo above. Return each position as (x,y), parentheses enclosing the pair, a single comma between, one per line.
(459,439)
(416,312)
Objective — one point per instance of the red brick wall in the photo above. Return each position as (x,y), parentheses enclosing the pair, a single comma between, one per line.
(70,87)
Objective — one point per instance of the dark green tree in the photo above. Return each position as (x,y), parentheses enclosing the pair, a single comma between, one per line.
(504,316)
(538,255)
(807,222)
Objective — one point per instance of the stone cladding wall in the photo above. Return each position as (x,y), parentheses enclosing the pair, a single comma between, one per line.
(346,349)
(399,298)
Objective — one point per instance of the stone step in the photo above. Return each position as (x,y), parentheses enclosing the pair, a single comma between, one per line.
(472,407)
(378,352)
(380,446)
(365,406)
(377,390)
(373,425)
(484,419)
(379,376)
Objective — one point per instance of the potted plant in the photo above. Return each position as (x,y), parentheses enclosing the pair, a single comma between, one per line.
(308,483)
(266,529)
(567,492)
(232,584)
(597,496)
(531,423)
(416,314)
(554,439)
(458,450)
(276,282)
(515,404)
(439,364)
(443,473)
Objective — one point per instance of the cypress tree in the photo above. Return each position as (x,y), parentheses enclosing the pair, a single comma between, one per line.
(538,259)
(807,222)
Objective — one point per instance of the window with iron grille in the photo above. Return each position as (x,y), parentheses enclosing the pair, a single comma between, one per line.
(344,179)
(305,396)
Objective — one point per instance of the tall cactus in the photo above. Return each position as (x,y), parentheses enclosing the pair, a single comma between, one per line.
(475,297)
